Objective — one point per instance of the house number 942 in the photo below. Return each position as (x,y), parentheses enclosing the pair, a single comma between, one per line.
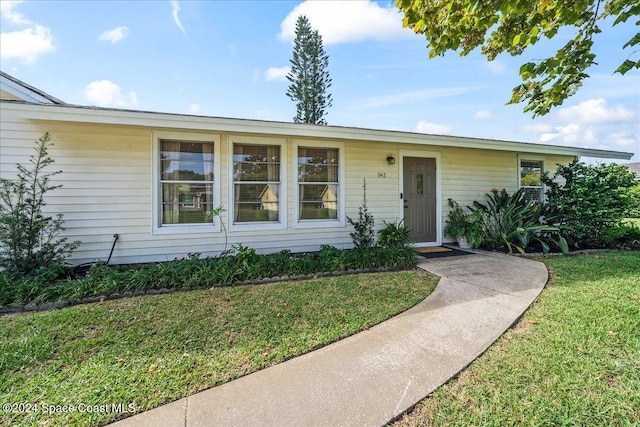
(382,174)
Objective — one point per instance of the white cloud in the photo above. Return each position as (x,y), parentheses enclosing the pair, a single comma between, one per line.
(595,111)
(277,73)
(416,96)
(9,14)
(115,35)
(496,67)
(572,134)
(547,137)
(105,93)
(591,124)
(538,128)
(26,45)
(484,115)
(346,21)
(194,108)
(424,126)
(624,138)
(175,8)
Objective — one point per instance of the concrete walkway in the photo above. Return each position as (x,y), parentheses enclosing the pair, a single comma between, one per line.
(372,377)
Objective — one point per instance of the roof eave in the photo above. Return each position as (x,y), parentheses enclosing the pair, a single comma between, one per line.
(25,91)
(98,115)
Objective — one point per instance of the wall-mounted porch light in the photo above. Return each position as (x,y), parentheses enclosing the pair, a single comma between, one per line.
(391,160)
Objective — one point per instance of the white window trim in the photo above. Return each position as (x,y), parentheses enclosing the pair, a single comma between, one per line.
(319,223)
(281,224)
(528,158)
(156,198)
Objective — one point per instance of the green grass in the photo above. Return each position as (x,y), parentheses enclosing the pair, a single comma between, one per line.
(573,360)
(153,350)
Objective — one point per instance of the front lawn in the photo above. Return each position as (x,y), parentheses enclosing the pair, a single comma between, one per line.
(151,350)
(573,360)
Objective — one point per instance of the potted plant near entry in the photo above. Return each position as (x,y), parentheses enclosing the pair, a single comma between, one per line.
(463,226)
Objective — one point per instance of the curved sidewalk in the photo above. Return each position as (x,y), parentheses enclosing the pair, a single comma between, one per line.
(372,377)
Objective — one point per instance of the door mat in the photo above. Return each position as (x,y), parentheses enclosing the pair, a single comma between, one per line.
(433,249)
(441,254)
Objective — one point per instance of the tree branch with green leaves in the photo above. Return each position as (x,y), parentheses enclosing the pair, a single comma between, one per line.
(511,26)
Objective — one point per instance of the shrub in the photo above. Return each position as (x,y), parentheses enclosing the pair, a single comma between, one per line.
(394,234)
(457,223)
(363,236)
(624,236)
(514,222)
(585,201)
(464,225)
(30,242)
(240,264)
(634,209)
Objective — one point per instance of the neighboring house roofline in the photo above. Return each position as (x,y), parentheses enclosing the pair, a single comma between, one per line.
(101,115)
(26,92)
(634,168)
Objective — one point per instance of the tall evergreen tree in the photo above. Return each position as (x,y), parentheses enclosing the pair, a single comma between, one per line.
(309,76)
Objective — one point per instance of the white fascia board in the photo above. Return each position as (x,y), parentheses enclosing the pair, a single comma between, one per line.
(71,113)
(23,92)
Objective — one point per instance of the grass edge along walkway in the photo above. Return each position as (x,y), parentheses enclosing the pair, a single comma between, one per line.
(573,359)
(152,350)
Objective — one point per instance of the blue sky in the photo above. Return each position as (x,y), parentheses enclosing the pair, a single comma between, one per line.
(228,59)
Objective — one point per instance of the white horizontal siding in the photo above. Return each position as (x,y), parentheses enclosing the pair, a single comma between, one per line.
(468,174)
(368,160)
(107,183)
(6,95)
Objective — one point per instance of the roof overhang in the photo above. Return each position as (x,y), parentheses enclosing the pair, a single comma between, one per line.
(155,120)
(25,92)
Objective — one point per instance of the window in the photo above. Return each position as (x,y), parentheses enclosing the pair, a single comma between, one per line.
(256,183)
(531,179)
(186,181)
(318,183)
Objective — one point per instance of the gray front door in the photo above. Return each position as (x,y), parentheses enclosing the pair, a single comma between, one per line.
(419,194)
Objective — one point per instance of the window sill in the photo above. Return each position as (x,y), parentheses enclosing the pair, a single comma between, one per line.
(187,229)
(319,223)
(257,226)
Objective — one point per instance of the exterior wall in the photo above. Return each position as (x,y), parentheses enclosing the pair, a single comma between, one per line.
(6,95)
(108,183)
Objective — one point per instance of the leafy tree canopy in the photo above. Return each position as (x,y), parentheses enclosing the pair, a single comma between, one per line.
(513,25)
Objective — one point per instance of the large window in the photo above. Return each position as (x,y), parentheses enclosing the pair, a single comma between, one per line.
(318,183)
(531,179)
(186,181)
(256,183)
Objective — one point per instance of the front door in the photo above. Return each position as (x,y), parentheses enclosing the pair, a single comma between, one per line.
(419,193)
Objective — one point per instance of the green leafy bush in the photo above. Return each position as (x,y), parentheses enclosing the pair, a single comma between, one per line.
(515,222)
(363,236)
(241,263)
(634,209)
(30,242)
(394,234)
(461,224)
(585,202)
(623,236)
